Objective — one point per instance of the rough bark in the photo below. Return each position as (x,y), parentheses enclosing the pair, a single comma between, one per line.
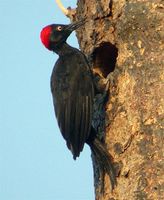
(125,39)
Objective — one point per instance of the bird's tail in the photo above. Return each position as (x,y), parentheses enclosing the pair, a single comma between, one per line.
(103,160)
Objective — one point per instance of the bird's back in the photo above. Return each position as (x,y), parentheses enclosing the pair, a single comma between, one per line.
(73,93)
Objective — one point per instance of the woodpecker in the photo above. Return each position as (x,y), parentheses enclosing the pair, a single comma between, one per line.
(72,88)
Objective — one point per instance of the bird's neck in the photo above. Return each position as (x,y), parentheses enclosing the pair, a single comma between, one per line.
(63,49)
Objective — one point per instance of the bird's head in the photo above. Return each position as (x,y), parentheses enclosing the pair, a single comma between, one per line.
(54,35)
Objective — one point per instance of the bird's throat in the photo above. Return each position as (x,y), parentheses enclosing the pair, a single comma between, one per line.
(63,49)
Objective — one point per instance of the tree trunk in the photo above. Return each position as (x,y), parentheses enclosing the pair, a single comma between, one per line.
(125,39)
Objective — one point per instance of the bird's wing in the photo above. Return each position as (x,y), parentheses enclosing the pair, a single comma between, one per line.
(73,93)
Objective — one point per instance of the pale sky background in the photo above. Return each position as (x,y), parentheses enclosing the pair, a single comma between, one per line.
(35,163)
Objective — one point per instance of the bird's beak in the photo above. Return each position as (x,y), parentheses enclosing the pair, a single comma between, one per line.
(76,25)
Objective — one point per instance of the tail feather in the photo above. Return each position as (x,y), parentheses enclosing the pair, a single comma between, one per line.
(104,162)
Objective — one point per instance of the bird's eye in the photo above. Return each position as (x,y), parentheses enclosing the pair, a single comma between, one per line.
(59,28)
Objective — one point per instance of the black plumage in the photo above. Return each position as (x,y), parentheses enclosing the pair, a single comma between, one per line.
(72,89)
(73,92)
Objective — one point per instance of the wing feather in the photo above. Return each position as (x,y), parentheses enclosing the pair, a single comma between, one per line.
(72,91)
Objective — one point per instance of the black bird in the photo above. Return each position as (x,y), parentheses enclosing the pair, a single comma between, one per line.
(72,89)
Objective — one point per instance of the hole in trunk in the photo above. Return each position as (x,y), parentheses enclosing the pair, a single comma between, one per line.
(104,59)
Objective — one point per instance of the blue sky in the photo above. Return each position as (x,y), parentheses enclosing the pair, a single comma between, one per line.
(34,161)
